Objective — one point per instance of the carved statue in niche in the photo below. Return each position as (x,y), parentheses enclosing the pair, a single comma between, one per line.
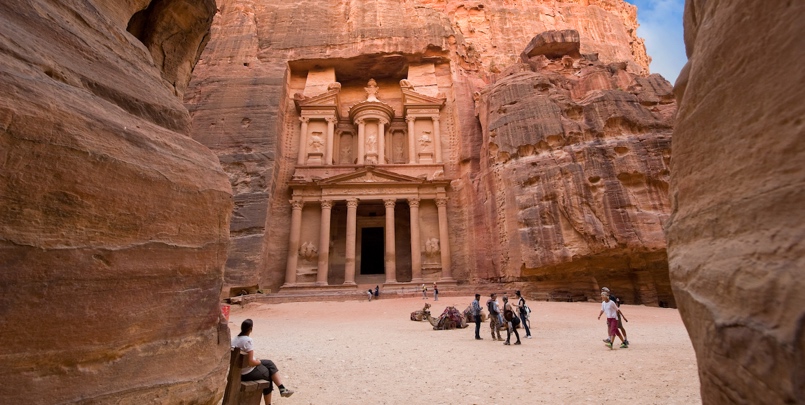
(432,247)
(308,251)
(346,154)
(371,90)
(316,142)
(371,138)
(399,152)
(425,141)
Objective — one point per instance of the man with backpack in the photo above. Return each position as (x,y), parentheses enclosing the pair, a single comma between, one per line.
(495,320)
(524,313)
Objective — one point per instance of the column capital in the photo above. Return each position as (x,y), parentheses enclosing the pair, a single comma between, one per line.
(441,202)
(332,119)
(410,119)
(360,121)
(297,204)
(435,118)
(384,121)
(413,202)
(304,119)
(389,202)
(326,204)
(352,202)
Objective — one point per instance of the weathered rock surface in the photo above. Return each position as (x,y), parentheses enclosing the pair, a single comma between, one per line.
(241,107)
(574,175)
(735,236)
(113,221)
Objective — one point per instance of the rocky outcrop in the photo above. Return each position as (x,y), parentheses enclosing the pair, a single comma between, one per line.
(113,221)
(735,236)
(574,174)
(241,102)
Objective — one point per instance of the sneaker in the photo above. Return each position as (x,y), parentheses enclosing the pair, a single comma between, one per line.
(607,340)
(479,338)
(517,342)
(528,337)
(624,346)
(286,393)
(626,342)
(507,343)
(609,345)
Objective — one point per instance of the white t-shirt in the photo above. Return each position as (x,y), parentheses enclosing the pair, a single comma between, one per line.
(244,343)
(610,308)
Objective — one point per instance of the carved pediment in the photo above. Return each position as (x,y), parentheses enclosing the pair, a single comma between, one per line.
(370,175)
(326,100)
(412,99)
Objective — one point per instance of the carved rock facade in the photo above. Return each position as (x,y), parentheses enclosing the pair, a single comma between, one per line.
(735,236)
(113,221)
(598,127)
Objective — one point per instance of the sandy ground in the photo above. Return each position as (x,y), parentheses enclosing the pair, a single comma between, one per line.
(357,352)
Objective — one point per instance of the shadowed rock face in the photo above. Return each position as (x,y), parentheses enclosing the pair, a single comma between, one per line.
(575,174)
(242,109)
(735,236)
(113,221)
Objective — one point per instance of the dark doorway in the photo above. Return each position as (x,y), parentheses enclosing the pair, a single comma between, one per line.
(372,251)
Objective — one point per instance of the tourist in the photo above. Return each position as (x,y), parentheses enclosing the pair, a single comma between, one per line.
(617,301)
(424,292)
(435,292)
(476,312)
(495,320)
(611,309)
(524,313)
(377,291)
(369,293)
(511,321)
(257,369)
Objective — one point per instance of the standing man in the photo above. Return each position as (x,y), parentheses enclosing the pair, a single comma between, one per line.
(495,320)
(424,292)
(617,302)
(523,313)
(611,309)
(435,292)
(476,312)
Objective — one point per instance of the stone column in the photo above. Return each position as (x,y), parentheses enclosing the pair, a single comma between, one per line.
(391,256)
(381,142)
(444,239)
(416,248)
(411,140)
(293,242)
(349,267)
(302,141)
(328,154)
(437,139)
(324,243)
(361,140)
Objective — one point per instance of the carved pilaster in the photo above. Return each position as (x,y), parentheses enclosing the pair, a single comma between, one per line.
(416,248)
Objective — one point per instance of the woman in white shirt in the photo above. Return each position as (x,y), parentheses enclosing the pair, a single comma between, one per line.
(257,369)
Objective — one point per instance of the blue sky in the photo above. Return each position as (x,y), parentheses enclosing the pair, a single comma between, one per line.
(661,26)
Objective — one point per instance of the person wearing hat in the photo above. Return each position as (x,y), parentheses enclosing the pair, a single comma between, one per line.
(611,309)
(617,302)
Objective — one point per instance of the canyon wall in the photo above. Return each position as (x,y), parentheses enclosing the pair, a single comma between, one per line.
(735,235)
(114,222)
(616,115)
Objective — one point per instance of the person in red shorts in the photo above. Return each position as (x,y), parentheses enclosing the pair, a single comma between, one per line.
(611,309)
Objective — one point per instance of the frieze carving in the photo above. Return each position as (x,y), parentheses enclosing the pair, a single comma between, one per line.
(422,111)
(308,251)
(323,114)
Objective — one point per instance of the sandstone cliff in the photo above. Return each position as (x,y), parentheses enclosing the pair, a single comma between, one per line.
(113,221)
(735,236)
(240,101)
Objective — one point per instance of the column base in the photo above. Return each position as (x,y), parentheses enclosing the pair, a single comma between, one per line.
(349,283)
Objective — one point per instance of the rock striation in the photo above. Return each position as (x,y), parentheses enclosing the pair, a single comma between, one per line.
(608,131)
(114,222)
(574,174)
(735,233)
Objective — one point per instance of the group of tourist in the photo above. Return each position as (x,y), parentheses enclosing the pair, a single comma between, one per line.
(435,292)
(610,305)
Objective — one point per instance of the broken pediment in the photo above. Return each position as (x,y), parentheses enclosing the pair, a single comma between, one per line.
(327,100)
(418,100)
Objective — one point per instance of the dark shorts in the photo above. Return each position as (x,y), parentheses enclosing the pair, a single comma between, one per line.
(613,326)
(620,322)
(264,371)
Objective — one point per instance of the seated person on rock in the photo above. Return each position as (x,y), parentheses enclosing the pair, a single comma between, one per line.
(257,369)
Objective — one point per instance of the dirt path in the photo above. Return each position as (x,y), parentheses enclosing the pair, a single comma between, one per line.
(355,352)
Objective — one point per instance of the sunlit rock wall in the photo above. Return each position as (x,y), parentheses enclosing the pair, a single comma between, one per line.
(735,236)
(114,222)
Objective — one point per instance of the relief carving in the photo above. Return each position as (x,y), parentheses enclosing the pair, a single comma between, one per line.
(316,142)
(308,252)
(432,248)
(371,90)
(425,141)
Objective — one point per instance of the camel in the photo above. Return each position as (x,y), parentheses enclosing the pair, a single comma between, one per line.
(449,319)
(421,314)
(469,318)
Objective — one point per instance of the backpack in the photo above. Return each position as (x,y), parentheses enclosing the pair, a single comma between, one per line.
(490,307)
(525,307)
